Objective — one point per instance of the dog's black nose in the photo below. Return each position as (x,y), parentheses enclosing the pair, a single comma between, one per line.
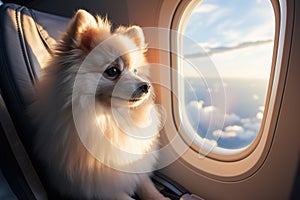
(142,89)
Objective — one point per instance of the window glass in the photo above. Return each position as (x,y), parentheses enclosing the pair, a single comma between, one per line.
(227,57)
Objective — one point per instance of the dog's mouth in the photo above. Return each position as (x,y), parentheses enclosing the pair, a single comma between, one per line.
(121,101)
(122,97)
(126,100)
(131,102)
(136,98)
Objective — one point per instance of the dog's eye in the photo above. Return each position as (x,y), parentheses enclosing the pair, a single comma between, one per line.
(112,72)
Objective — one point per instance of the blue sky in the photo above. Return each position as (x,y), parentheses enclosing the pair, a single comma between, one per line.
(235,37)
(236,34)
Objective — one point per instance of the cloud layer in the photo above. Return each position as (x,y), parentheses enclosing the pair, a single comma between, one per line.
(206,120)
(223,49)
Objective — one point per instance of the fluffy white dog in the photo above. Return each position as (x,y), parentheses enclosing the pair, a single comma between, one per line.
(91,151)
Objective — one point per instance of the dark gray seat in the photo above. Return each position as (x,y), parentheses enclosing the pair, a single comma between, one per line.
(26,41)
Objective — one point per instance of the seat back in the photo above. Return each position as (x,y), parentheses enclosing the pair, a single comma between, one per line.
(27,37)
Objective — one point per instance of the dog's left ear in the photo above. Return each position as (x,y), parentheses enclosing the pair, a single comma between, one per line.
(136,34)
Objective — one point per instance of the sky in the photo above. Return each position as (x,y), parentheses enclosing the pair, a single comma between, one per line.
(232,39)
(236,35)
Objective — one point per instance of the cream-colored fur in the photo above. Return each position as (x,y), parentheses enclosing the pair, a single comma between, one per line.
(120,137)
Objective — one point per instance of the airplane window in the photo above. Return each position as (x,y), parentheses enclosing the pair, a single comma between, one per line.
(224,71)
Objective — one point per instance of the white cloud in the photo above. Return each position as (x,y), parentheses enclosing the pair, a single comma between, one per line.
(252,124)
(224,134)
(211,48)
(206,143)
(255,97)
(231,119)
(229,132)
(235,132)
(259,115)
(209,116)
(247,134)
(261,108)
(205,8)
(234,128)
(200,115)
(222,125)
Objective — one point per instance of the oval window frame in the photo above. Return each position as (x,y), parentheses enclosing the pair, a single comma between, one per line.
(182,12)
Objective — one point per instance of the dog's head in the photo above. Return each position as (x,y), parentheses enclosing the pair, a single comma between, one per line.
(117,57)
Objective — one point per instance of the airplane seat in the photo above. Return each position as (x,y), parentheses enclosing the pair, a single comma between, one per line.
(27,37)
